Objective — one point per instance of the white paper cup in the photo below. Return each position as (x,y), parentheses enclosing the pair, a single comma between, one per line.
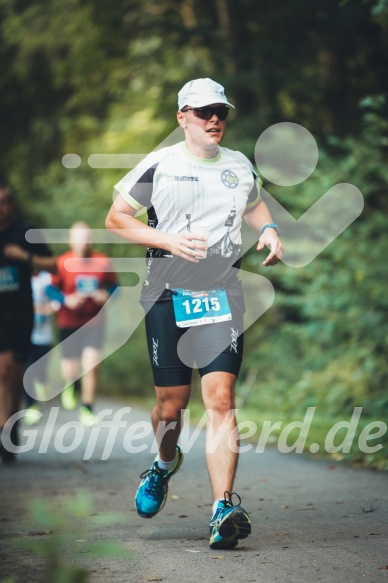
(199,228)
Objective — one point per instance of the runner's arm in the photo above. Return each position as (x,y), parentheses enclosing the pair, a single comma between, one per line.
(122,222)
(37,262)
(256,219)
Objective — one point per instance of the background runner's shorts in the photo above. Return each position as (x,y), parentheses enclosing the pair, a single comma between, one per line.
(173,350)
(74,340)
(15,331)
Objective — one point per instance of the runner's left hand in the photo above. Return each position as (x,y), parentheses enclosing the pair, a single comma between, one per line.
(271,240)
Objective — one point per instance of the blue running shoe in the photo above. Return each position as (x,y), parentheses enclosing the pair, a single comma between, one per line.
(151,495)
(229,523)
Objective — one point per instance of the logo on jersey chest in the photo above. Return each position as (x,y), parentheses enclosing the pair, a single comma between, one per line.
(186,178)
(230,179)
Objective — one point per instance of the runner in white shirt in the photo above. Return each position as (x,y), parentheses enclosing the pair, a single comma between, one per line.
(41,343)
(192,297)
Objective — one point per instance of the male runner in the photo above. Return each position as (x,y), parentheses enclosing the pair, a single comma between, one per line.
(194,303)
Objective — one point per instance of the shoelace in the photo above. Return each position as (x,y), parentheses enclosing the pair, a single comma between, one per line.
(229,502)
(155,486)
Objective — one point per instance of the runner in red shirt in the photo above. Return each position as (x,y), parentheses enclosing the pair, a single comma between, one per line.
(83,284)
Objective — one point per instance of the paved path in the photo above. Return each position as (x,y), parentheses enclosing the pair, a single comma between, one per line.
(312,520)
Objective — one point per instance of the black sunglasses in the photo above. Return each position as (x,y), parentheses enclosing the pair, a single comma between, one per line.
(207,112)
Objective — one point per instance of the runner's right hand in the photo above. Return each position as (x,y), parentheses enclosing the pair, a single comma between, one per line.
(185,245)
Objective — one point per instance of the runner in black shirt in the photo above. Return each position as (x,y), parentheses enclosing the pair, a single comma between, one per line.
(18,258)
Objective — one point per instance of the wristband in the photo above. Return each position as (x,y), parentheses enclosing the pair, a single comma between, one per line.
(29,258)
(272,226)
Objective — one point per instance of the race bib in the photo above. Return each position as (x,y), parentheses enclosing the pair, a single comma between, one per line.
(86,284)
(9,279)
(195,308)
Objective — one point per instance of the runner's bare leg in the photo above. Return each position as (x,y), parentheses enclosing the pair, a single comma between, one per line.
(169,403)
(218,393)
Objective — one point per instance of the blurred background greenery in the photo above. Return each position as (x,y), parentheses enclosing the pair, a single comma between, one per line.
(89,76)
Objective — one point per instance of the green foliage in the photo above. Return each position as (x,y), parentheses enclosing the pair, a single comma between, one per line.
(325,341)
(65,527)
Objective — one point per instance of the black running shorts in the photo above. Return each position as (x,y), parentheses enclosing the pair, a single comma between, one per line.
(15,330)
(173,350)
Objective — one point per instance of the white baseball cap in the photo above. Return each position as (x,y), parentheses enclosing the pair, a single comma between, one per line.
(201,92)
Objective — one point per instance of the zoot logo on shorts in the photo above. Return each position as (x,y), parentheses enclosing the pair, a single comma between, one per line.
(229,179)
(233,343)
(155,356)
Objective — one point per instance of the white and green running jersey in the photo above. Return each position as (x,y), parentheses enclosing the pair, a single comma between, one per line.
(178,189)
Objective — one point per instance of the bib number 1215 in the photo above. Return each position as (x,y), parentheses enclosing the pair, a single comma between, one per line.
(199,305)
(197,308)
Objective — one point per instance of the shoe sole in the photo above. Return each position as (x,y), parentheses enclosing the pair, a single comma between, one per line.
(235,526)
(180,461)
(224,544)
